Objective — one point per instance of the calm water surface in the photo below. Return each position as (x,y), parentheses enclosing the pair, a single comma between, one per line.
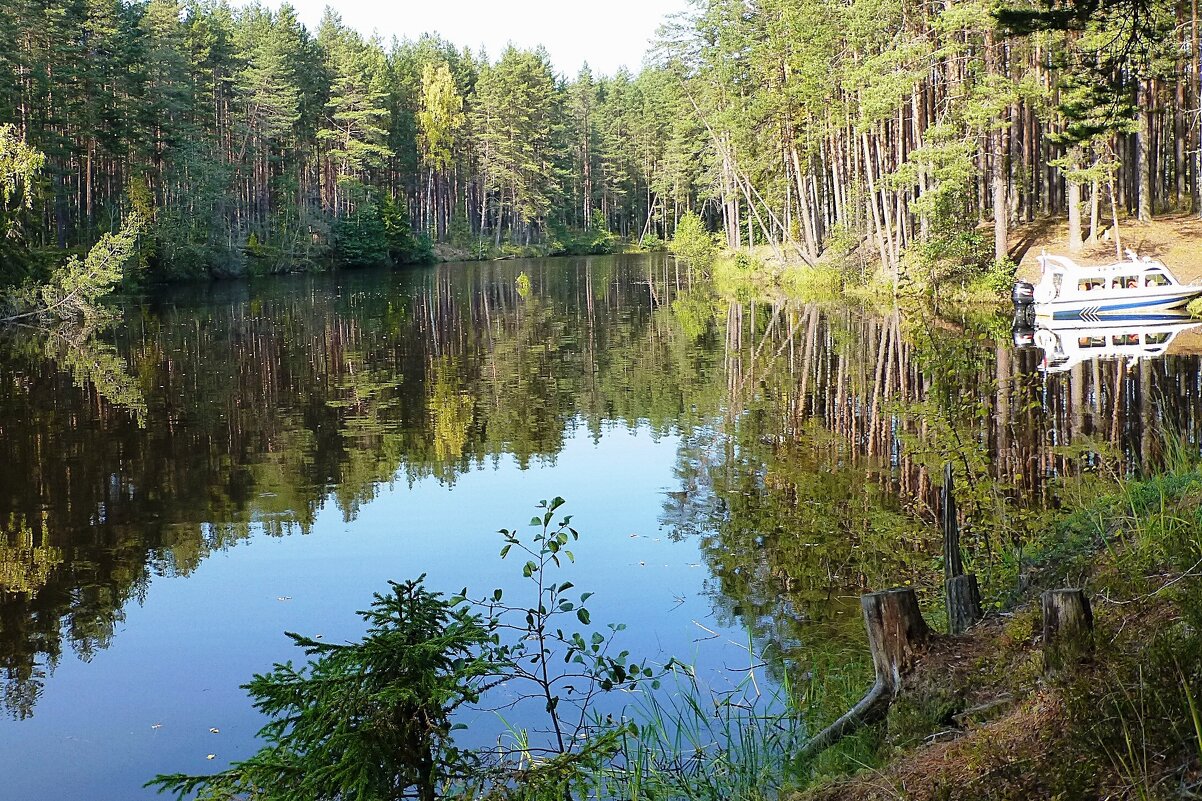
(238,460)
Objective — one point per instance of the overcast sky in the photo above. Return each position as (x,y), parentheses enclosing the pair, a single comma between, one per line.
(607,34)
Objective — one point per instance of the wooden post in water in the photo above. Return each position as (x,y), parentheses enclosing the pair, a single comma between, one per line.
(896,629)
(961,592)
(1067,628)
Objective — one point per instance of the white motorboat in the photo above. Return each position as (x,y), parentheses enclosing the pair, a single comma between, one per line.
(1135,288)
(1067,344)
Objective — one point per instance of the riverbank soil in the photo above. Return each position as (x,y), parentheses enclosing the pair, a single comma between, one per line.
(981,718)
(1174,239)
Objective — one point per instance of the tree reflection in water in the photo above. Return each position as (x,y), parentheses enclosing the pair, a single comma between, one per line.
(811,435)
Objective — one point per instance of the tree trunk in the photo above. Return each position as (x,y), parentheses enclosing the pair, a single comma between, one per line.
(1094,210)
(1074,216)
(961,593)
(1144,144)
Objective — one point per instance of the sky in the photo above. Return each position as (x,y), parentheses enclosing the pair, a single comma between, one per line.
(605,35)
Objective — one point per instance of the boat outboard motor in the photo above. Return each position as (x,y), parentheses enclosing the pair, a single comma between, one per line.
(1022,331)
(1023,297)
(1023,294)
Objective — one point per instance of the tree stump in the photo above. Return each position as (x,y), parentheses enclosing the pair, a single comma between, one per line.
(1067,628)
(896,629)
(963,597)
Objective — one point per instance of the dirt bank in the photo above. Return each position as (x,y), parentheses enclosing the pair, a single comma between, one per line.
(1175,239)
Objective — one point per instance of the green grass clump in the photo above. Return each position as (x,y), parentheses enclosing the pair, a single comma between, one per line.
(822,282)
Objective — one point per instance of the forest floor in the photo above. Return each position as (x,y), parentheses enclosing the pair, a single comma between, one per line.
(981,719)
(1175,239)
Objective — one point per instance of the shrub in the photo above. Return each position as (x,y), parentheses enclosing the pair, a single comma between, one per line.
(692,242)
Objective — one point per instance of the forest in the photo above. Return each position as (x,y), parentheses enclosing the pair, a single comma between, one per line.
(899,131)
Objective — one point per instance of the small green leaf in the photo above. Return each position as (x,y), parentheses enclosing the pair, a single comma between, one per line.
(505,550)
(583,615)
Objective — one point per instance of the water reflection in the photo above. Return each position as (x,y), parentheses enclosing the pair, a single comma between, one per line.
(262,403)
(1067,343)
(811,436)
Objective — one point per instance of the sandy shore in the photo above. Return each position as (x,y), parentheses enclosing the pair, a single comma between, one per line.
(1175,239)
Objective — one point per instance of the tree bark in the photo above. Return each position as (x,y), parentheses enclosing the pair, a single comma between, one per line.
(1067,628)
(1074,213)
(1144,145)
(962,595)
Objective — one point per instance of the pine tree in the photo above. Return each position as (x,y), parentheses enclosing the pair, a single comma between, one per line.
(356,133)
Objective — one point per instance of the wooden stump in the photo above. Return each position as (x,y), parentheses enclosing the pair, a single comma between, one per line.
(896,629)
(962,595)
(963,603)
(1067,628)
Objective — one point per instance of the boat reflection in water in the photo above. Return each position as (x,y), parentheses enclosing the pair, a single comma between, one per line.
(1067,343)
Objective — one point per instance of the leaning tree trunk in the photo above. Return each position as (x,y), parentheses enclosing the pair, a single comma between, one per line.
(896,629)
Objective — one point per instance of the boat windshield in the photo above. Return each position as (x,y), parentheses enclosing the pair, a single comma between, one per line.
(1156,278)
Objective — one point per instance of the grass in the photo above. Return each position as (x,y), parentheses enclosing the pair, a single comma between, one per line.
(744,277)
(694,745)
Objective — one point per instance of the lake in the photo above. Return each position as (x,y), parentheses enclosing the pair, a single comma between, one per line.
(238,460)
